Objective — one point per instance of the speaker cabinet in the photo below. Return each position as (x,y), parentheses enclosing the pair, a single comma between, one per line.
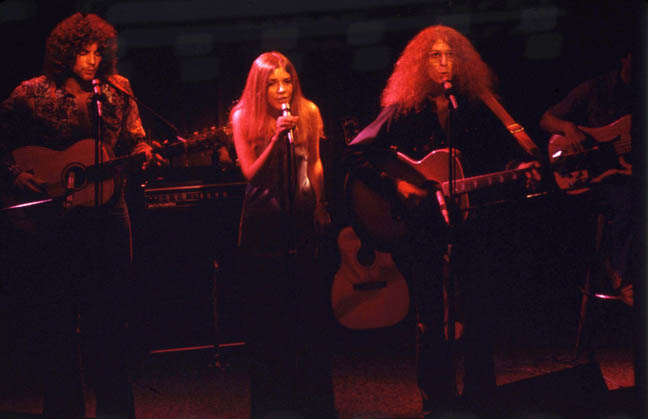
(186,273)
(573,392)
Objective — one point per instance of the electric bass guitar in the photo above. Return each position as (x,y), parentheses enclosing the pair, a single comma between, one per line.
(73,179)
(600,155)
(368,290)
(386,224)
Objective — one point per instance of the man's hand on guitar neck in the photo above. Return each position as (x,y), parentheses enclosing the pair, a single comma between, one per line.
(151,157)
(533,176)
(27,182)
(145,149)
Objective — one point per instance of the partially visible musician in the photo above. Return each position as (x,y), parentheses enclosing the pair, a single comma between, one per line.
(417,117)
(594,103)
(71,274)
(283,213)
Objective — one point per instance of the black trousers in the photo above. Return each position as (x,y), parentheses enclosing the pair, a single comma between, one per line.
(69,288)
(287,323)
(470,263)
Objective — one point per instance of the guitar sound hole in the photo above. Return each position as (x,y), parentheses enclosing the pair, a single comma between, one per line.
(370,286)
(79,176)
(366,256)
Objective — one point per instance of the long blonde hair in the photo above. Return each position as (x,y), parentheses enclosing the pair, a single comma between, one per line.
(409,85)
(258,121)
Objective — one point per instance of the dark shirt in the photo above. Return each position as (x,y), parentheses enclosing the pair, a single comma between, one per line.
(596,102)
(483,143)
(277,213)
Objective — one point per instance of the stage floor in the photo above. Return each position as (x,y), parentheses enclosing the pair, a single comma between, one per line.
(374,377)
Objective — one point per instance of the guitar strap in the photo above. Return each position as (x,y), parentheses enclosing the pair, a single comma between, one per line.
(513,127)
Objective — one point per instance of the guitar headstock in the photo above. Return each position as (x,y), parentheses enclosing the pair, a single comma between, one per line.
(209,137)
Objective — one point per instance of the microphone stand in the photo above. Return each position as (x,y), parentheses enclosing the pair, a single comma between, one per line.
(175,130)
(148,108)
(291,177)
(452,214)
(98,149)
(292,256)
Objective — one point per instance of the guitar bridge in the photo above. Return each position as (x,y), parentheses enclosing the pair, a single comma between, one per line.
(369,286)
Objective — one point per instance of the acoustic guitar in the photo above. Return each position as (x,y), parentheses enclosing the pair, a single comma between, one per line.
(386,225)
(368,290)
(72,179)
(600,155)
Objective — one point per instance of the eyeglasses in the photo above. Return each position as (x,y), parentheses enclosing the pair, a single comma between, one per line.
(437,55)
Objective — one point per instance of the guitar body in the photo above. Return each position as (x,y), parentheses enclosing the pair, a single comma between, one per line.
(73,177)
(599,156)
(363,294)
(368,290)
(67,185)
(56,168)
(384,224)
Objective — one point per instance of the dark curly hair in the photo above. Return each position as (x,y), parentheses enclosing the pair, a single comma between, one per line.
(70,36)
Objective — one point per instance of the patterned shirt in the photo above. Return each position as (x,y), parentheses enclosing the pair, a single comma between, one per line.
(39,113)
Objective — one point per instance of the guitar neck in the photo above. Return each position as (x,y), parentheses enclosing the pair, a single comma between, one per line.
(470,184)
(120,161)
(135,160)
(623,146)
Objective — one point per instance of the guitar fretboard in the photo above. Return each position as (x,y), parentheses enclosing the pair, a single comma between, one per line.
(623,145)
(484,181)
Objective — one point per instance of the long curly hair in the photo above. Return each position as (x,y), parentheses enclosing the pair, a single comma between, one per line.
(70,36)
(254,101)
(409,84)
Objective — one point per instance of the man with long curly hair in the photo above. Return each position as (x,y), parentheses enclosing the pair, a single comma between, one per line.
(74,261)
(433,100)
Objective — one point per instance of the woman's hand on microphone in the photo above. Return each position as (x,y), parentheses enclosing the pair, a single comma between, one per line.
(286,123)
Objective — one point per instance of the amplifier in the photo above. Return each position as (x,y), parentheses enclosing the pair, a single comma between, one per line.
(185,242)
(188,194)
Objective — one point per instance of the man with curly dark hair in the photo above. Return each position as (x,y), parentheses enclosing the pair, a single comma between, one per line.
(73,251)
(435,98)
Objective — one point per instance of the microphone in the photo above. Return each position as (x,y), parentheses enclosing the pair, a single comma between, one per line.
(97,95)
(443,206)
(285,107)
(447,87)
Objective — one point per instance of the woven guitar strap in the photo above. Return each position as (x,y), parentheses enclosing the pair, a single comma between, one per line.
(513,127)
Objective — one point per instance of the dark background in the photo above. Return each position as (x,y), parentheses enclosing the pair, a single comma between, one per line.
(188,60)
